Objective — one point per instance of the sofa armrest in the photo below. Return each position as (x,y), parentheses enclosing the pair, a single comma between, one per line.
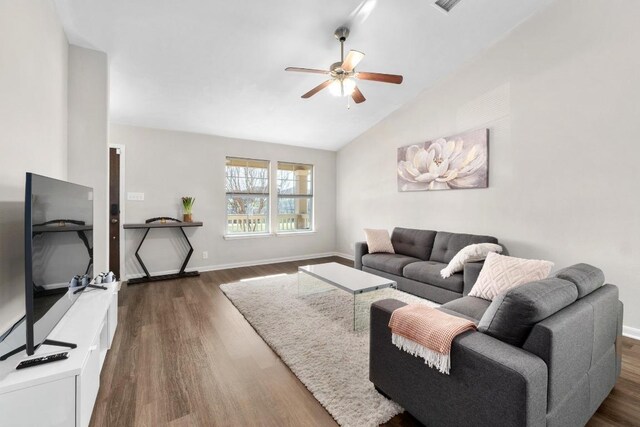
(470,275)
(490,382)
(361,249)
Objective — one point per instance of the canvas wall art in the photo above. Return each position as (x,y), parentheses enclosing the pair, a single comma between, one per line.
(456,162)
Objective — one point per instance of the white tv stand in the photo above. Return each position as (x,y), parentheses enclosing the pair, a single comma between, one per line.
(62,393)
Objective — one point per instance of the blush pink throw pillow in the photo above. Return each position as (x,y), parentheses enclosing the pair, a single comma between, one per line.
(501,273)
(378,241)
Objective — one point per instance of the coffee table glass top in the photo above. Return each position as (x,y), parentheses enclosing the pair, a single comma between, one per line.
(347,278)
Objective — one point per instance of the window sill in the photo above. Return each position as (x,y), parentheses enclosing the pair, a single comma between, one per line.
(294,233)
(247,236)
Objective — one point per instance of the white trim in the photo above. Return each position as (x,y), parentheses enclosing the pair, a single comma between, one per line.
(295,233)
(630,332)
(122,203)
(346,256)
(241,264)
(246,236)
(312,196)
(270,219)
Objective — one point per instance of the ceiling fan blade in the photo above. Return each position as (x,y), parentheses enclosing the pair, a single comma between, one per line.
(352,60)
(317,89)
(307,70)
(357,96)
(379,77)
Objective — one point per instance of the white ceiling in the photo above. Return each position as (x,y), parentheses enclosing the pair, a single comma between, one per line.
(217,67)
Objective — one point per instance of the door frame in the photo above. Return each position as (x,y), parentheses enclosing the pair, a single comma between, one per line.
(123,273)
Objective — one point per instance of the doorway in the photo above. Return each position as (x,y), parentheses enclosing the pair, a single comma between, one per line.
(115,211)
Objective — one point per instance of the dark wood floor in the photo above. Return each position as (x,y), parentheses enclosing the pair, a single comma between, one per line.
(184,356)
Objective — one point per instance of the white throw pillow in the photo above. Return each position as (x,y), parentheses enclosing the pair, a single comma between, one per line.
(378,241)
(471,253)
(501,273)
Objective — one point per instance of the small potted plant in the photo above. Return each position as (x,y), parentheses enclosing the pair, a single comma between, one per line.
(187,205)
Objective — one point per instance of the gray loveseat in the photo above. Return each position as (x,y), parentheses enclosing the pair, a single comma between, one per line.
(545,354)
(419,257)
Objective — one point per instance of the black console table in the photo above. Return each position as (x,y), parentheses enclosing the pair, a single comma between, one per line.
(163,223)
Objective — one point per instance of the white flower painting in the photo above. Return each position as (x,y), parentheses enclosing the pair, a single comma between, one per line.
(456,162)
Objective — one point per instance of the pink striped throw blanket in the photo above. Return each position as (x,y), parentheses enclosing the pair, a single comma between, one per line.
(427,332)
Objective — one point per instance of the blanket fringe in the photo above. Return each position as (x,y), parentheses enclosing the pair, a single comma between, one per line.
(439,361)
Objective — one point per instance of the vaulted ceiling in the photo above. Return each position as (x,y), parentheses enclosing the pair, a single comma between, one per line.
(217,67)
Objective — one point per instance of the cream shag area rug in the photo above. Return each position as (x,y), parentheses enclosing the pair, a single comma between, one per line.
(313,334)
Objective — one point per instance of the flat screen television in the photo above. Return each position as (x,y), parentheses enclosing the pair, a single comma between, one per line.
(58,246)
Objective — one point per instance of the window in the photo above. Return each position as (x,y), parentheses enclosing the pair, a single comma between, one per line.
(247,187)
(295,197)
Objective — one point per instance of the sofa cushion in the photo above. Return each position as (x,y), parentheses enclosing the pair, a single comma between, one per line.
(429,272)
(390,263)
(470,307)
(513,314)
(470,275)
(587,278)
(413,243)
(447,245)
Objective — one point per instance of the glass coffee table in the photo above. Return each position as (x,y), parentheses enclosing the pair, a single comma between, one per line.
(325,277)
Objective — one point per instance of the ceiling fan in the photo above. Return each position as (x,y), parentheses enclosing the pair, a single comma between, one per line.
(343,76)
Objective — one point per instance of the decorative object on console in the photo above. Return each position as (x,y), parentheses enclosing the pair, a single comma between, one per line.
(75,282)
(472,253)
(378,241)
(109,277)
(187,205)
(456,162)
(501,273)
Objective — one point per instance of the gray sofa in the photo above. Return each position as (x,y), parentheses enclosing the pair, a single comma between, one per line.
(419,257)
(545,354)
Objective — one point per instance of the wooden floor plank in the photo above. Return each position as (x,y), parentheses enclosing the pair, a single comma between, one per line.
(184,356)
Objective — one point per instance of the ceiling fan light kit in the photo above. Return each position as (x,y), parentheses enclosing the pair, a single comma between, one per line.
(342,87)
(342,74)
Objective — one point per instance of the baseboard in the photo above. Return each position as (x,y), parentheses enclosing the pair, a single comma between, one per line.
(630,332)
(245,264)
(345,256)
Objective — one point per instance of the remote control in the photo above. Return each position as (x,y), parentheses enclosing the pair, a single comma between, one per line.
(42,359)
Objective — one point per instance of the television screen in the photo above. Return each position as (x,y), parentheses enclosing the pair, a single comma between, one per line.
(58,246)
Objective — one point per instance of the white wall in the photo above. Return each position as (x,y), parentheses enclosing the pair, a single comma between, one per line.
(33,127)
(166,165)
(560,95)
(88,151)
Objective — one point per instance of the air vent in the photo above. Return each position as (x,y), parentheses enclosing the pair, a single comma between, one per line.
(446,5)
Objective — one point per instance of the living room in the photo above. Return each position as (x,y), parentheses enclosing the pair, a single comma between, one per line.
(232,212)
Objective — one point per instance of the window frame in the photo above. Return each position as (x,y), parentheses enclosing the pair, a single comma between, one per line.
(267,195)
(310,196)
